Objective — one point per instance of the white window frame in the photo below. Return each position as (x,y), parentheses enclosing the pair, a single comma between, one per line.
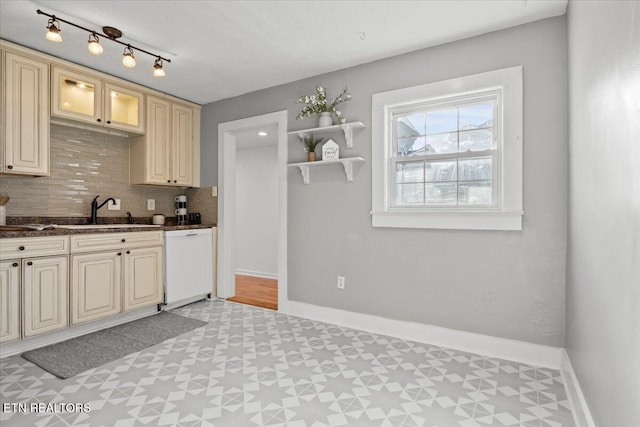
(507,212)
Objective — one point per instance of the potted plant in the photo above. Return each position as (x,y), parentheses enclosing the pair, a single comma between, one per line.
(318,104)
(310,143)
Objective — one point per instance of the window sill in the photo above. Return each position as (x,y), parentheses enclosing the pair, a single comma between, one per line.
(457,220)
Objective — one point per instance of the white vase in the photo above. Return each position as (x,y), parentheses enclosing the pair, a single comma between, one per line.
(325,119)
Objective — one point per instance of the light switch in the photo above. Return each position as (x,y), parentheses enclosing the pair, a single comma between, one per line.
(151,204)
(214,191)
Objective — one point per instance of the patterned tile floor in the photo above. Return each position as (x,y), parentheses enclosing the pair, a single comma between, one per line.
(255,367)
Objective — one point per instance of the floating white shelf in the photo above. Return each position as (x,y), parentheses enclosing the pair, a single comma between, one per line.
(347,128)
(347,163)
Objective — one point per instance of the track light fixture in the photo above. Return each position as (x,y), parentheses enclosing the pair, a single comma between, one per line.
(94,46)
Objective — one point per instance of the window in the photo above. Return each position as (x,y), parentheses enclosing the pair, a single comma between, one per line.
(449,154)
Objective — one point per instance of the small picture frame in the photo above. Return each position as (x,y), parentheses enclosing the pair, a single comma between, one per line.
(330,150)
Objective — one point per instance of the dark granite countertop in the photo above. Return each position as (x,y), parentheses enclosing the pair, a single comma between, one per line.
(14,229)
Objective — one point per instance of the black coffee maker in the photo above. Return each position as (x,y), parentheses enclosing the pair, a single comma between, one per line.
(181,209)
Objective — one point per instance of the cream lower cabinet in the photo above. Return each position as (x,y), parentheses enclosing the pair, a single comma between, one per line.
(114,273)
(96,280)
(34,286)
(45,294)
(143,284)
(9,300)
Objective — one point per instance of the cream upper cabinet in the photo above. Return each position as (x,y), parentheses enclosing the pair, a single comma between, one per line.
(182,153)
(83,97)
(169,153)
(157,144)
(76,96)
(143,284)
(25,139)
(45,294)
(9,300)
(95,285)
(124,108)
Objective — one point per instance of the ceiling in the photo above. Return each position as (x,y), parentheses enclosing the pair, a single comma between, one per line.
(221,49)
(249,138)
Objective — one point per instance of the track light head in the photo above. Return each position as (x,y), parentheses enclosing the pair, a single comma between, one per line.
(128,60)
(94,45)
(53,32)
(158,71)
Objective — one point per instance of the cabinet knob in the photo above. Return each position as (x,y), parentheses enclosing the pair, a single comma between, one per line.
(119,253)
(108,122)
(168,180)
(99,120)
(30,263)
(123,240)
(15,264)
(175,181)
(9,167)
(128,252)
(21,248)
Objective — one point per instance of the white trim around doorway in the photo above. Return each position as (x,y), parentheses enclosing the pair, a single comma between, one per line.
(227,201)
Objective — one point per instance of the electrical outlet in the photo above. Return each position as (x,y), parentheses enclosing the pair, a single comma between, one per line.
(151,204)
(114,206)
(340,282)
(214,191)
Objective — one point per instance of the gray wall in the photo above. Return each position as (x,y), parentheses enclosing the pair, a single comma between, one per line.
(603,266)
(505,284)
(257,210)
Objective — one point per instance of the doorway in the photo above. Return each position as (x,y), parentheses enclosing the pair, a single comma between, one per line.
(256,217)
(249,167)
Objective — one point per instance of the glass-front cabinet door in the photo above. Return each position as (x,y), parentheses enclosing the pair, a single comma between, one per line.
(124,108)
(76,96)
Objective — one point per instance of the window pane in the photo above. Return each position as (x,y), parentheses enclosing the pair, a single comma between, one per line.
(477,116)
(475,193)
(410,146)
(440,121)
(442,170)
(476,140)
(442,143)
(410,172)
(409,194)
(440,194)
(477,168)
(410,126)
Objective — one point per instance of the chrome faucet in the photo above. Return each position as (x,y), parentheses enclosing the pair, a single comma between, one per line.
(95,206)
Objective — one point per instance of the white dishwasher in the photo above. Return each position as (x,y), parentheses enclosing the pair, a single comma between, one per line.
(188,266)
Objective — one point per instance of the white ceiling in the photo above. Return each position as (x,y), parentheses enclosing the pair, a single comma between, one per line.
(249,138)
(220,49)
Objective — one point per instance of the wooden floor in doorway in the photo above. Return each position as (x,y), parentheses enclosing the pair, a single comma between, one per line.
(258,291)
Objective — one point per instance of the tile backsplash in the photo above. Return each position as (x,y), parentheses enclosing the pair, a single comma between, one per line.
(85,164)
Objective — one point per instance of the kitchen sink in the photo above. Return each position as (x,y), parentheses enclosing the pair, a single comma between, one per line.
(90,226)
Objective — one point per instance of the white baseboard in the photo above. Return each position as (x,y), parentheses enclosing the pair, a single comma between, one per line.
(20,346)
(581,413)
(256,273)
(502,348)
